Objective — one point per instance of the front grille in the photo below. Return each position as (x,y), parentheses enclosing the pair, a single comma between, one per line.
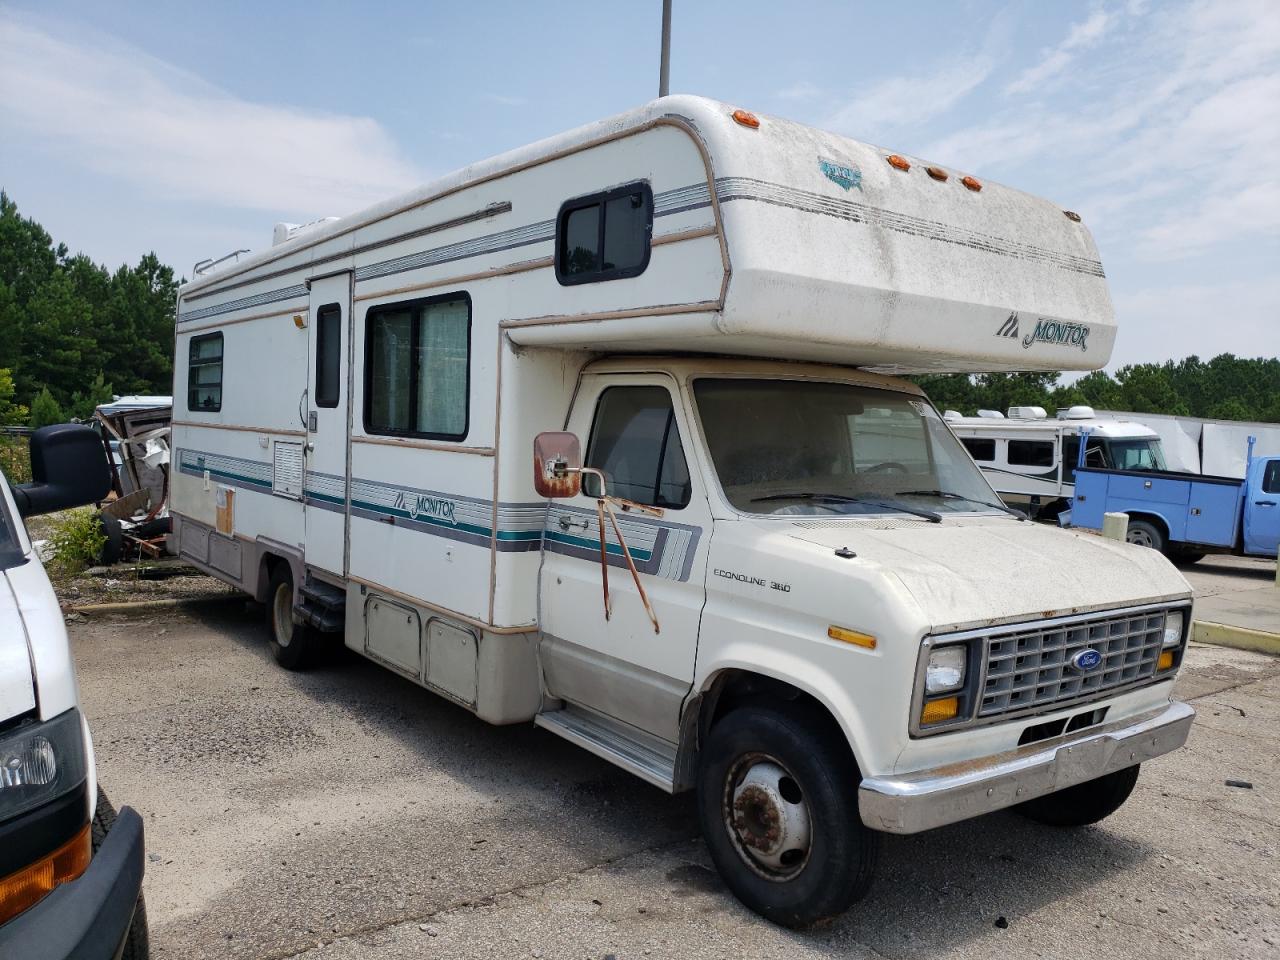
(1031,668)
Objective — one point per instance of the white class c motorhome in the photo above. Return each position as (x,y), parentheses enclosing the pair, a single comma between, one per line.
(758,566)
(1031,459)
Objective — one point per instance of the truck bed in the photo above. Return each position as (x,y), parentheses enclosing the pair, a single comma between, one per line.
(1193,509)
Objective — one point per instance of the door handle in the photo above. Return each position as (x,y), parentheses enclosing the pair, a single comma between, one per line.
(1264,503)
(567,523)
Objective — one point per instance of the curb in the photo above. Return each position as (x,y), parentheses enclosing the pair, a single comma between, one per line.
(1242,638)
(145,606)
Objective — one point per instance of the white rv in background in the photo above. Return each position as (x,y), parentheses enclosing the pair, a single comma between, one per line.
(598,434)
(1030,458)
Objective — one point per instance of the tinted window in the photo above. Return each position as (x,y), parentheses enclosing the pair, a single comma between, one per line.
(605,236)
(1271,478)
(328,355)
(636,442)
(1031,453)
(417,368)
(980,448)
(204,373)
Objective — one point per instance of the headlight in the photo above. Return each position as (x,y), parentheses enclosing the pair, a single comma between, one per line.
(1173,628)
(945,670)
(40,762)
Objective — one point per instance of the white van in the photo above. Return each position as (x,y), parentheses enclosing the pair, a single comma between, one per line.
(598,434)
(1031,460)
(70,866)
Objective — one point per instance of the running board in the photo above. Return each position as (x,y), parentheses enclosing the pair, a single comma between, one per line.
(649,758)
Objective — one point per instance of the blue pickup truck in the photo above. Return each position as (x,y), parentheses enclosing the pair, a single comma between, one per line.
(1186,515)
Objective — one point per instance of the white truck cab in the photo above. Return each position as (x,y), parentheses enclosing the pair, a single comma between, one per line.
(70,866)
(748,560)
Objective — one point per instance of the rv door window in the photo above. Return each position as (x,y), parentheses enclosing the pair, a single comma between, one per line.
(980,448)
(328,354)
(417,368)
(204,374)
(1031,453)
(635,441)
(604,236)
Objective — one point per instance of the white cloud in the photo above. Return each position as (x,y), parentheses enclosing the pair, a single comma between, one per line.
(139,119)
(802,90)
(901,101)
(1056,59)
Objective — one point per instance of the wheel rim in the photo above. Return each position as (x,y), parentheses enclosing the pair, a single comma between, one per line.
(282,614)
(766,814)
(1140,536)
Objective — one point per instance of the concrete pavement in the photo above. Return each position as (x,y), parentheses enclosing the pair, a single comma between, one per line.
(1237,602)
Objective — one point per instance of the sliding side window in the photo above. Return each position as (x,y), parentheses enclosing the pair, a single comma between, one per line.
(605,236)
(204,374)
(417,368)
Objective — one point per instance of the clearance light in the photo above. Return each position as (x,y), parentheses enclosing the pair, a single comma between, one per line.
(298,321)
(935,711)
(937,173)
(852,636)
(898,163)
(1072,215)
(746,119)
(24,887)
(1166,660)
(971,183)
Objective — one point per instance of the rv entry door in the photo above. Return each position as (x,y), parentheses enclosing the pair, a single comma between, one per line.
(327,402)
(632,427)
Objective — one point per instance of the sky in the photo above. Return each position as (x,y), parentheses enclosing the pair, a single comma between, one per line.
(191,129)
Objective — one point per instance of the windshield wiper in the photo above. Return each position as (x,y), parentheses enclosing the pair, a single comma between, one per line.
(948,495)
(841,498)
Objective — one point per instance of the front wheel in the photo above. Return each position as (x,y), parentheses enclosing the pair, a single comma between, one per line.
(1085,803)
(778,805)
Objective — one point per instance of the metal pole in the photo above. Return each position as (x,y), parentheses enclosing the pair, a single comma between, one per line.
(664,75)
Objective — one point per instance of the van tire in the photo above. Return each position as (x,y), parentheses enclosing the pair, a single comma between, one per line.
(137,945)
(291,643)
(1085,803)
(799,775)
(1144,533)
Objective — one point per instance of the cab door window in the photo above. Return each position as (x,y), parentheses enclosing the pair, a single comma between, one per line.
(635,441)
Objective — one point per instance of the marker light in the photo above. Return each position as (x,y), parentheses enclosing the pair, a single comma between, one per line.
(937,173)
(898,163)
(746,119)
(1072,215)
(971,183)
(25,887)
(1172,629)
(945,670)
(935,711)
(852,636)
(1165,661)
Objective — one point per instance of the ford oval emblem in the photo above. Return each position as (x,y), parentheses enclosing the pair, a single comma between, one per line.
(1085,660)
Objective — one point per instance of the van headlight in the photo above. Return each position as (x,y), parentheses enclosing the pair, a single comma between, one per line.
(40,762)
(1173,622)
(945,670)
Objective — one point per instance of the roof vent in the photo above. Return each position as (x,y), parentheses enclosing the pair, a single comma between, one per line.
(1027,413)
(1078,412)
(952,415)
(991,414)
(287,231)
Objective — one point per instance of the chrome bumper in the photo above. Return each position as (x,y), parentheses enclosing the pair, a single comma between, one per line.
(931,798)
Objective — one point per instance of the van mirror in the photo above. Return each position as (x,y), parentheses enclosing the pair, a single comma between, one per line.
(557,465)
(68,469)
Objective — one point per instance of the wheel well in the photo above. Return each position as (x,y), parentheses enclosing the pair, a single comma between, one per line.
(734,688)
(1155,520)
(266,567)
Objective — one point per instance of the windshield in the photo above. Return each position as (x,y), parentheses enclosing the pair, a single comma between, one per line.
(1139,454)
(803,447)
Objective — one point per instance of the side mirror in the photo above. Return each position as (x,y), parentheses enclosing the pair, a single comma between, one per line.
(557,465)
(68,469)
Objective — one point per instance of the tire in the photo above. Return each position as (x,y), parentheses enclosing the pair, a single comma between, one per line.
(1085,803)
(137,945)
(113,547)
(1145,534)
(1187,558)
(762,767)
(291,643)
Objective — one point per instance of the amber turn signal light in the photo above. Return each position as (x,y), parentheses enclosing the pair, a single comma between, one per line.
(26,887)
(852,636)
(1166,660)
(935,711)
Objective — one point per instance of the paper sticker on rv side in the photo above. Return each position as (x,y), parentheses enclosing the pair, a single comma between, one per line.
(1060,332)
(420,505)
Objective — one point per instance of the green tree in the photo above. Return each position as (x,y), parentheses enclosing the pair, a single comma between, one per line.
(83,403)
(46,410)
(11,414)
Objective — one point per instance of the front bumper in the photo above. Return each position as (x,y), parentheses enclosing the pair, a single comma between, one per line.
(88,918)
(912,802)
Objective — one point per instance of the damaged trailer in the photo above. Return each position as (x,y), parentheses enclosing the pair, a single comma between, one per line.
(136,432)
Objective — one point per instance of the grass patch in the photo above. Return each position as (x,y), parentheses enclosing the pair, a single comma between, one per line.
(75,542)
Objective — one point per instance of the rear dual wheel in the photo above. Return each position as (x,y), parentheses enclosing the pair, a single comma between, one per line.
(291,643)
(778,805)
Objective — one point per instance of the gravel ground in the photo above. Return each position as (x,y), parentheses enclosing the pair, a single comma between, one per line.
(345,813)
